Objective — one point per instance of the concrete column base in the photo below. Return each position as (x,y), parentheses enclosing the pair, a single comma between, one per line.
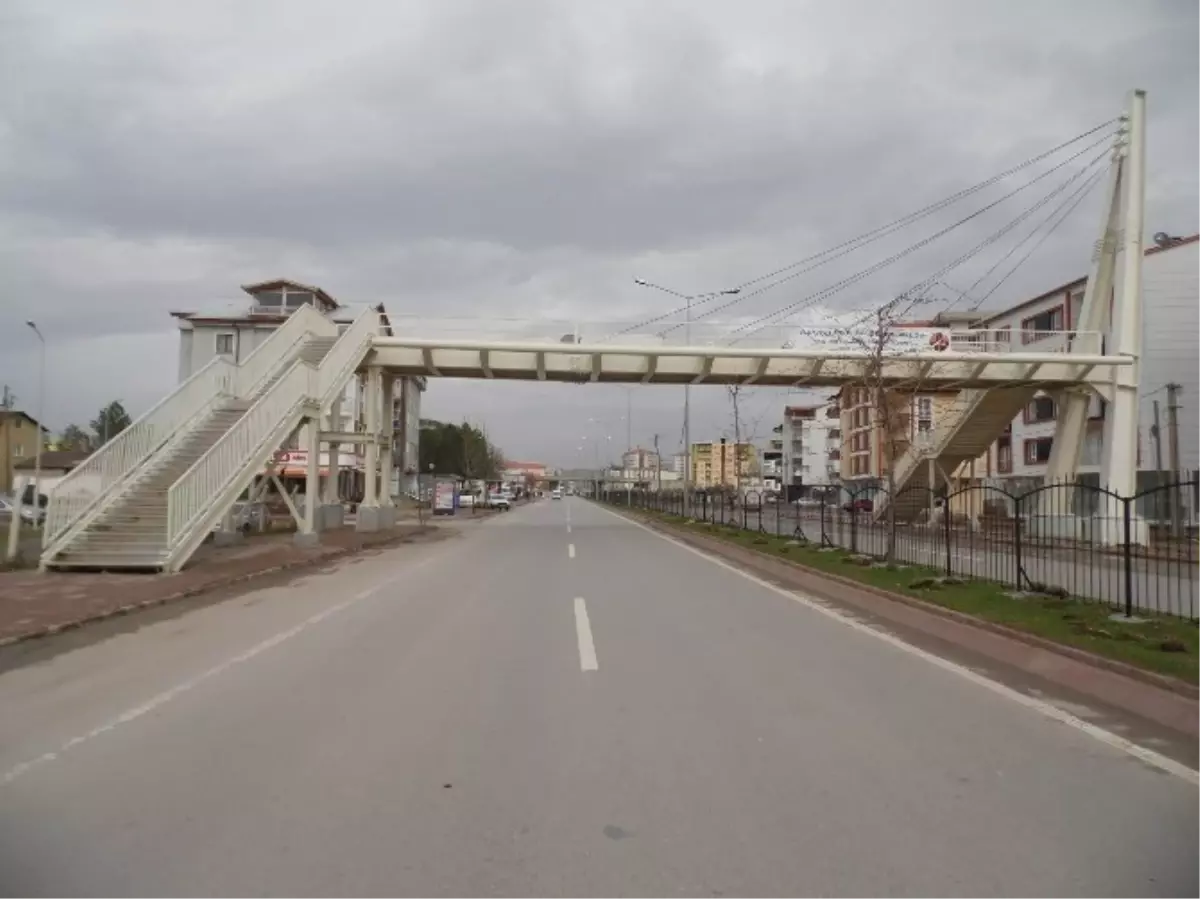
(387,517)
(228,538)
(306,540)
(370,518)
(330,515)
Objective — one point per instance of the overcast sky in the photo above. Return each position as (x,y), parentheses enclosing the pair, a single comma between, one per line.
(530,159)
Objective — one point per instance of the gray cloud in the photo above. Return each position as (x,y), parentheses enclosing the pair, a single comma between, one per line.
(529,158)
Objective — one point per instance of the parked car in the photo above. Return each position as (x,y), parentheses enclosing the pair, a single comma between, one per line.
(556,494)
(29,515)
(499,501)
(859,505)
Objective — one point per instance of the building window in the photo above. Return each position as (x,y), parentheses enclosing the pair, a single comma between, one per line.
(1035,328)
(224,344)
(1041,409)
(1004,335)
(1037,452)
(1004,455)
(924,413)
(269,298)
(295,300)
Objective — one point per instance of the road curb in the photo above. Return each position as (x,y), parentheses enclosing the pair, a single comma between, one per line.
(1174,685)
(220,584)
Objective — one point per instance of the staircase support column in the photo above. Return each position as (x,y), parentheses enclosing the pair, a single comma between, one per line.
(368,511)
(307,534)
(332,513)
(387,430)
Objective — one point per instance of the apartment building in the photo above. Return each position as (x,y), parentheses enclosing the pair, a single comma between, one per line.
(18,442)
(723,464)
(1171,346)
(641,460)
(872,438)
(811,446)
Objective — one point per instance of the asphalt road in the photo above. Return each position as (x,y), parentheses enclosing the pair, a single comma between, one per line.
(558,702)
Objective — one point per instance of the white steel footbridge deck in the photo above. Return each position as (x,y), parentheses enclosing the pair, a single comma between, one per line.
(936,358)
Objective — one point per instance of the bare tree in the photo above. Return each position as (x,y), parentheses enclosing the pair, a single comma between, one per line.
(892,413)
(735,391)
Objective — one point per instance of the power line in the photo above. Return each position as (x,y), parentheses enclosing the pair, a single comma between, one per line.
(869,237)
(933,207)
(759,323)
(928,282)
(745,296)
(1079,196)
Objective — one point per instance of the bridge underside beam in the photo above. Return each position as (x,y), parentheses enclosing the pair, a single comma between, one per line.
(724,365)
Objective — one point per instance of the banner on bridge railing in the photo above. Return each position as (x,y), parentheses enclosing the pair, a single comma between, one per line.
(899,340)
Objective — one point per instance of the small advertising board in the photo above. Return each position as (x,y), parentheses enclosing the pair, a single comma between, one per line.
(443,496)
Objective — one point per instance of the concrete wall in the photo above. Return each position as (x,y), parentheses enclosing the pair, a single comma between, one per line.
(198,344)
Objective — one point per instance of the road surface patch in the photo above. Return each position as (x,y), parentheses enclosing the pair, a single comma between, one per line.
(583,632)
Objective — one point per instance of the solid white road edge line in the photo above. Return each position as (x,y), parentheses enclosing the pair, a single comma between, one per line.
(1046,709)
(583,631)
(179,689)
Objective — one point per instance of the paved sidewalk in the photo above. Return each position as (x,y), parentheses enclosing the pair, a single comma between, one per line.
(35,604)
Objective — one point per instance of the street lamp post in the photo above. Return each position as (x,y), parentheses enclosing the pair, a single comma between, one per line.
(687,387)
(14,525)
(41,407)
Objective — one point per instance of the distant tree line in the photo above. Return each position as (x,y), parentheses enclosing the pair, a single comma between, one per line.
(108,423)
(461,450)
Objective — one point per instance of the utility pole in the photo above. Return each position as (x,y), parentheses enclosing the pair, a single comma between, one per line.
(628,419)
(1156,433)
(657,467)
(1173,390)
(687,421)
(8,400)
(14,521)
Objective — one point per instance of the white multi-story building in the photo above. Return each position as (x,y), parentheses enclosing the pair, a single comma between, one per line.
(235,330)
(811,441)
(638,459)
(679,463)
(1171,346)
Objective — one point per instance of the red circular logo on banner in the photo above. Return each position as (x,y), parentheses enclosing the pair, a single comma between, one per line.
(939,341)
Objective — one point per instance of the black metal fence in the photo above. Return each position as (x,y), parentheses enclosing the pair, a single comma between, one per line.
(1136,553)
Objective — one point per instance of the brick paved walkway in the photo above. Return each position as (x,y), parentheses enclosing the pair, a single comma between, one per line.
(32,603)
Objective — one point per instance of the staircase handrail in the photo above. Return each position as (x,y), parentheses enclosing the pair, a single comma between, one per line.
(346,355)
(949,421)
(192,493)
(80,494)
(265,361)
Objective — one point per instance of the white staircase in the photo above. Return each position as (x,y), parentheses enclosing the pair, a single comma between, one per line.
(147,499)
(964,433)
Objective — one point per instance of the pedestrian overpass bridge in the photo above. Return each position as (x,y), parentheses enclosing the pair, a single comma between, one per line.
(148,498)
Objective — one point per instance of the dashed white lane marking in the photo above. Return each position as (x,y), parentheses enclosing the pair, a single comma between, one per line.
(1046,709)
(583,631)
(179,689)
(570,550)
(568,527)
